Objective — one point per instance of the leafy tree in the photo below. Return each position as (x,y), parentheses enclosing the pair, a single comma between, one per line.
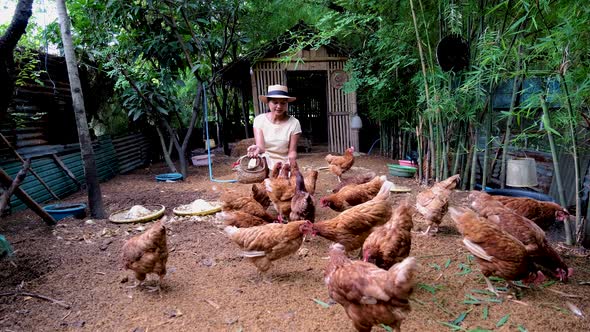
(8,42)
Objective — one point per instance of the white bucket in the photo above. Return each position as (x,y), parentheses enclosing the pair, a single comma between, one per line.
(521,172)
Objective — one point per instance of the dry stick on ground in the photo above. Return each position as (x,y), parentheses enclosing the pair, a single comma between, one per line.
(564,294)
(39,296)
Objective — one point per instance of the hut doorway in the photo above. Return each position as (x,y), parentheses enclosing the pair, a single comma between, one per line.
(309,86)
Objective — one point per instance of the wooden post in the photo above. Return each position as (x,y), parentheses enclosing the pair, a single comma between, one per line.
(6,181)
(31,169)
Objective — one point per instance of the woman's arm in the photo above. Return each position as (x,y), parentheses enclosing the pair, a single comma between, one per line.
(258,147)
(292,155)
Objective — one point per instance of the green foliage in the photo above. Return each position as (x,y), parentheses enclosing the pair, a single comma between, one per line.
(27,67)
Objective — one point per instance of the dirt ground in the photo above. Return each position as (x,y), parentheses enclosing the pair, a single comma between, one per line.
(209,287)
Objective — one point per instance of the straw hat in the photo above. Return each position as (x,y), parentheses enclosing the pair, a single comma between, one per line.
(276,91)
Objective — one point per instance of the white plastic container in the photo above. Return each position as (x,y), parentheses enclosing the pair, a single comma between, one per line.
(521,172)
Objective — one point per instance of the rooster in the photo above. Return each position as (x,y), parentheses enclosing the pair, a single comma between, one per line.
(390,244)
(267,243)
(340,164)
(370,296)
(147,253)
(351,227)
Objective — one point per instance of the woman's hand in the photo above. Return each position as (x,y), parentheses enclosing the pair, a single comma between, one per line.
(253,151)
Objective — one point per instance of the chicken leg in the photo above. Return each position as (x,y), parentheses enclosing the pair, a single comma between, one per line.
(157,288)
(136,284)
(491,287)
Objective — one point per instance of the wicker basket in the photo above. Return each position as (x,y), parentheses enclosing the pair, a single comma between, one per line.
(252,175)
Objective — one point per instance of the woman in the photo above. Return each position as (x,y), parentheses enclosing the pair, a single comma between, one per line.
(276,133)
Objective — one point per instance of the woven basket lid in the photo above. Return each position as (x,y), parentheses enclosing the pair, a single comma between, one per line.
(121,216)
(197,208)
(244,164)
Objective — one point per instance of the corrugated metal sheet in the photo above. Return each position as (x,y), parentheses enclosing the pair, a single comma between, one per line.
(129,151)
(132,152)
(566,169)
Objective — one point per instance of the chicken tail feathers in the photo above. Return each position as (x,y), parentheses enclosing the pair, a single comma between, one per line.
(404,275)
(477,251)
(230,230)
(253,253)
(267,185)
(383,193)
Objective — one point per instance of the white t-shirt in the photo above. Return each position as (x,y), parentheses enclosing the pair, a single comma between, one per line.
(276,136)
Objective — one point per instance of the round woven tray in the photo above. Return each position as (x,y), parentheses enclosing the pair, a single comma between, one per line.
(182,211)
(119,216)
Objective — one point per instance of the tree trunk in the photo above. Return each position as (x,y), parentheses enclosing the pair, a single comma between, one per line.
(20,20)
(93,187)
(167,151)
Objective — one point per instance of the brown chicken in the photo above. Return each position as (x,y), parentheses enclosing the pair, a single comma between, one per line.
(267,243)
(390,244)
(370,295)
(433,203)
(352,195)
(302,203)
(341,164)
(232,202)
(526,231)
(351,227)
(147,253)
(544,214)
(310,179)
(281,191)
(355,179)
(497,252)
(240,219)
(260,195)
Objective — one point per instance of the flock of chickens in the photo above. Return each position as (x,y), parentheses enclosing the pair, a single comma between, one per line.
(503,233)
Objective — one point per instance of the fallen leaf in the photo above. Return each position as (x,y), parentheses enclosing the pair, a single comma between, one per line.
(573,308)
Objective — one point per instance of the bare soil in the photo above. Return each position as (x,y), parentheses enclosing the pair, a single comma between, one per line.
(209,287)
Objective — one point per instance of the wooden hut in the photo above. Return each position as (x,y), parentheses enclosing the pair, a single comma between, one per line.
(316,77)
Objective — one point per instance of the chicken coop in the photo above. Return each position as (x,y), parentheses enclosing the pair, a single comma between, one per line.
(316,77)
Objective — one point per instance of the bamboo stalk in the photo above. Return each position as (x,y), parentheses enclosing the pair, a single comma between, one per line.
(486,150)
(426,90)
(467,168)
(513,101)
(473,162)
(574,152)
(458,153)
(556,173)
(420,148)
